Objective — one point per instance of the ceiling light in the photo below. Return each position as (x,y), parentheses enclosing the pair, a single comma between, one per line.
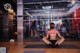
(73,1)
(46,7)
(28,14)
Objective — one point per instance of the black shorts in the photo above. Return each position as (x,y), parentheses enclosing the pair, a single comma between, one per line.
(53,43)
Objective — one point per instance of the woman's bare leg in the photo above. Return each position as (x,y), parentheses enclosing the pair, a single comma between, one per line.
(31,33)
(35,31)
(60,41)
(46,41)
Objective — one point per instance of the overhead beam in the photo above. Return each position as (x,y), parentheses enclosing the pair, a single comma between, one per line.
(48,2)
(73,9)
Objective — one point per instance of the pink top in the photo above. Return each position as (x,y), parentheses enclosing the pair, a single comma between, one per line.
(53,31)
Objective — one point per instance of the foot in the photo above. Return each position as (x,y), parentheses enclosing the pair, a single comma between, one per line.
(11,40)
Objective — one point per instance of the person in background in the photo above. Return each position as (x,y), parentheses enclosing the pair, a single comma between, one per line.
(51,38)
(11,15)
(33,29)
(64,31)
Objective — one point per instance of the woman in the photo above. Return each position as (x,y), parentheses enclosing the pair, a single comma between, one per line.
(33,29)
(52,34)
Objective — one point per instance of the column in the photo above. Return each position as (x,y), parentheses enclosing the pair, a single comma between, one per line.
(20,21)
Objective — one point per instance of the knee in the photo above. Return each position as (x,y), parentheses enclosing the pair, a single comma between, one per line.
(44,38)
(63,39)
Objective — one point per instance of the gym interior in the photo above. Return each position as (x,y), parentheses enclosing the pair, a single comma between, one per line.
(24,33)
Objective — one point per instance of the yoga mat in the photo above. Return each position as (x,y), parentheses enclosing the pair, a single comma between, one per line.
(35,51)
(33,40)
(40,40)
(46,46)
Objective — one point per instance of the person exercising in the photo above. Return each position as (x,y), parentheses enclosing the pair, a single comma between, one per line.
(52,34)
(11,15)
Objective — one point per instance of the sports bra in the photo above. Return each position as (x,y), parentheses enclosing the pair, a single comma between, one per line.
(53,31)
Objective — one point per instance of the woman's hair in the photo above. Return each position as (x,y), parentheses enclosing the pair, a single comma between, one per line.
(51,25)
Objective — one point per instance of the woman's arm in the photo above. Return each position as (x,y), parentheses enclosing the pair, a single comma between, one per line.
(59,35)
(47,36)
(45,39)
(61,39)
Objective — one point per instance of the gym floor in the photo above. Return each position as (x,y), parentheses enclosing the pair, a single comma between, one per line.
(18,47)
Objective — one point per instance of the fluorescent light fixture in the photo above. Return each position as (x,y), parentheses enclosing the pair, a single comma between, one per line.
(73,1)
(46,7)
(28,14)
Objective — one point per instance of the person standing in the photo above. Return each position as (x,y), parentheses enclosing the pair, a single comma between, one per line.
(33,29)
(11,15)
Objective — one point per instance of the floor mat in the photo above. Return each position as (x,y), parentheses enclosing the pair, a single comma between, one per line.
(46,46)
(40,40)
(35,51)
(71,39)
(33,40)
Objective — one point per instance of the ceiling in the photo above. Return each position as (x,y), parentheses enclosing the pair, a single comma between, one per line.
(28,1)
(47,7)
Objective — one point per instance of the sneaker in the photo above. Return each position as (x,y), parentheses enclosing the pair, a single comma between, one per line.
(11,40)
